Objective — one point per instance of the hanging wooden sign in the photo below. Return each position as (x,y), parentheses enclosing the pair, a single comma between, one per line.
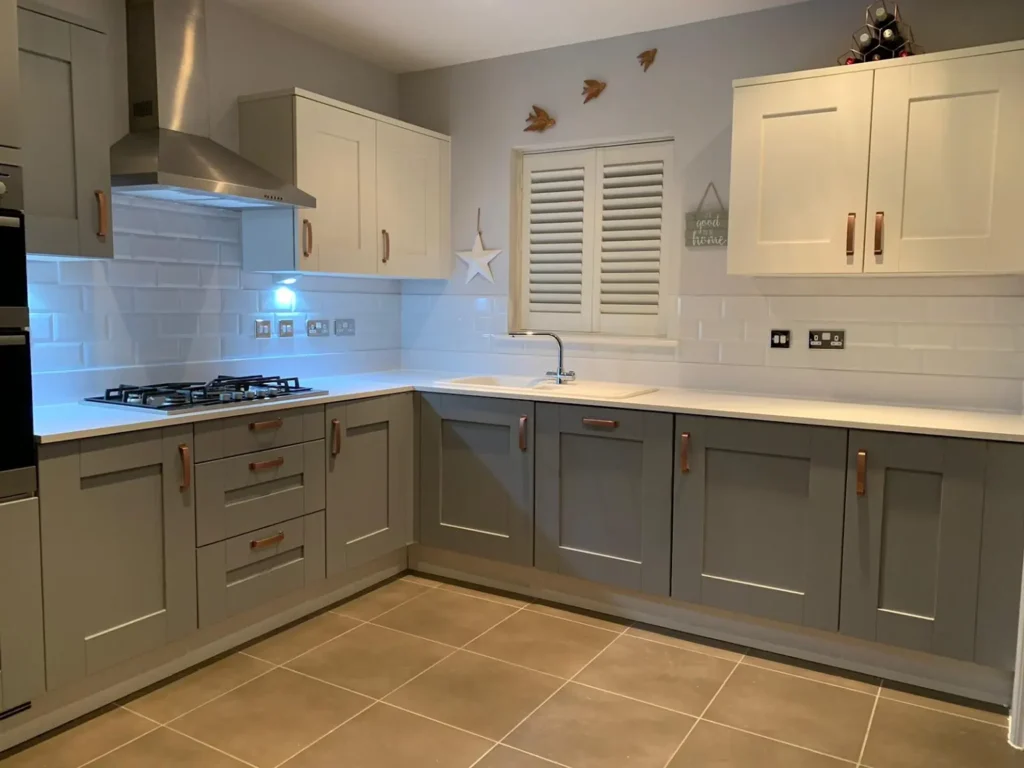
(708,228)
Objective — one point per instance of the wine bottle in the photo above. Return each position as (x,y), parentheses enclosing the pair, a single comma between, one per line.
(891,37)
(851,57)
(866,39)
(879,16)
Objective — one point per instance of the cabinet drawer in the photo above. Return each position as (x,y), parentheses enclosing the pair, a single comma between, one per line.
(249,570)
(257,432)
(247,492)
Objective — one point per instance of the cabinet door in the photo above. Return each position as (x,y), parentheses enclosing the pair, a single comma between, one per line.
(334,159)
(912,541)
(476,476)
(369,480)
(119,549)
(10,91)
(759,518)
(409,194)
(799,175)
(22,672)
(946,158)
(604,495)
(65,114)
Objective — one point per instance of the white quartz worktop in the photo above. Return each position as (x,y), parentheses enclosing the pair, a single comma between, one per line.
(74,421)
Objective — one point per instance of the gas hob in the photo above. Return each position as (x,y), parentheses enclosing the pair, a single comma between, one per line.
(222,391)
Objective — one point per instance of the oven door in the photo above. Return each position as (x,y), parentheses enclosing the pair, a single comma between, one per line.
(17,447)
(13,270)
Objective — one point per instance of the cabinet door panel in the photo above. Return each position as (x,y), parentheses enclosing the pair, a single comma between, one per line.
(118,539)
(604,488)
(759,518)
(335,162)
(369,480)
(409,204)
(784,220)
(911,551)
(945,165)
(476,476)
(22,671)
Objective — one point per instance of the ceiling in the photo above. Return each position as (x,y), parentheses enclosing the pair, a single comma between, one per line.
(411,35)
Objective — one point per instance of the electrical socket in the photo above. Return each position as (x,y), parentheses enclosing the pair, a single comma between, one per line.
(345,327)
(318,328)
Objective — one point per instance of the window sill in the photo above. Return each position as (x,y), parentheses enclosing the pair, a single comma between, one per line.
(592,342)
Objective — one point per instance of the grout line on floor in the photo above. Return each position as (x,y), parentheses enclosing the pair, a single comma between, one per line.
(485,596)
(944,711)
(867,731)
(778,741)
(209,746)
(805,677)
(156,727)
(426,590)
(324,736)
(219,695)
(530,606)
(743,650)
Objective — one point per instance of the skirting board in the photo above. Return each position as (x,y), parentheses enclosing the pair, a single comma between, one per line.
(946,675)
(56,709)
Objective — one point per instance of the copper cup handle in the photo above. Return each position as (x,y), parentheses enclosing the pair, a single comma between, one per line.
(851,236)
(262,466)
(387,245)
(522,433)
(307,238)
(259,426)
(601,423)
(684,452)
(104,213)
(879,233)
(335,437)
(270,541)
(862,472)
(186,467)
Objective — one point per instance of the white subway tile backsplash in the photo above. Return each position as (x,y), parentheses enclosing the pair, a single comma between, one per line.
(56,357)
(80,327)
(80,272)
(231,254)
(42,271)
(199,300)
(745,308)
(177,276)
(102,299)
(721,330)
(54,298)
(108,354)
(186,325)
(870,335)
(1004,365)
(700,307)
(120,272)
(41,327)
(219,325)
(157,300)
(743,353)
(152,351)
(927,336)
(987,337)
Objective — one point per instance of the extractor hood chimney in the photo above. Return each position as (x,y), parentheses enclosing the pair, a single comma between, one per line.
(167,153)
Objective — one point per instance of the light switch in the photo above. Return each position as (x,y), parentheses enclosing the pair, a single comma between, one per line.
(263,329)
(285,328)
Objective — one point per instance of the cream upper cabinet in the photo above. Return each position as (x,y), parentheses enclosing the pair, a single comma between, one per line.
(381,186)
(800,175)
(947,167)
(911,166)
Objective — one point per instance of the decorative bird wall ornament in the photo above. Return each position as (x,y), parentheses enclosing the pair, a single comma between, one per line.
(647,58)
(539,120)
(592,89)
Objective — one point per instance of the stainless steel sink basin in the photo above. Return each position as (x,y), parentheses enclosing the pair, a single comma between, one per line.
(597,389)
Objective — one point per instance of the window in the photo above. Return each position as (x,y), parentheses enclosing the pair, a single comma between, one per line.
(591,243)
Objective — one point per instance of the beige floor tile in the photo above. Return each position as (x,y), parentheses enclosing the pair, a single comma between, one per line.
(544,643)
(658,674)
(175,698)
(600,620)
(688,642)
(506,757)
(165,749)
(274,716)
(812,671)
(715,746)
(371,604)
(385,737)
(795,710)
(483,594)
(952,705)
(86,741)
(904,736)
(475,693)
(371,660)
(299,638)
(446,617)
(585,728)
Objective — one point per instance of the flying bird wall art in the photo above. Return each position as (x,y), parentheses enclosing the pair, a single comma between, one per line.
(592,89)
(647,58)
(539,120)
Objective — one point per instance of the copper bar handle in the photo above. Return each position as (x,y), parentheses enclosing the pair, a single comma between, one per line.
(259,426)
(104,214)
(601,423)
(684,452)
(186,466)
(879,233)
(307,238)
(862,472)
(335,437)
(270,541)
(387,245)
(522,433)
(851,238)
(261,466)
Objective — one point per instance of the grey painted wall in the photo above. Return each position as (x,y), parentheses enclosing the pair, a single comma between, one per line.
(929,340)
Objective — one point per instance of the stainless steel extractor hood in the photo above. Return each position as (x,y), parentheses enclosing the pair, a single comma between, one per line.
(167,153)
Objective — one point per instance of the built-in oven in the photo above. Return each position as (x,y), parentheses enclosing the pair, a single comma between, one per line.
(17,448)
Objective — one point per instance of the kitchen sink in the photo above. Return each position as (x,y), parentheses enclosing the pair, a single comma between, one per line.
(597,389)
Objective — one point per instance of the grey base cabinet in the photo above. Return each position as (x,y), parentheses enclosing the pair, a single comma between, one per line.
(246,571)
(22,671)
(119,548)
(759,518)
(476,476)
(369,480)
(912,548)
(604,495)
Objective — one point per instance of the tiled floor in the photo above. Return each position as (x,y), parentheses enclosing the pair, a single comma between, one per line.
(422,673)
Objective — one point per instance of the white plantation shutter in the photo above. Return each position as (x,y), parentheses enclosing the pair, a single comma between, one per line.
(628,263)
(558,226)
(591,243)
